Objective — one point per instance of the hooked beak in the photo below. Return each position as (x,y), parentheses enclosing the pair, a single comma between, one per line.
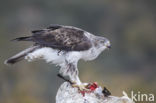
(109,46)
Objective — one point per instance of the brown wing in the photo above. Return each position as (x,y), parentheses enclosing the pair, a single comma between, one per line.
(62,38)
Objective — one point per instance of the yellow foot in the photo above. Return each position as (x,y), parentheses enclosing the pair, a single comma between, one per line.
(81,87)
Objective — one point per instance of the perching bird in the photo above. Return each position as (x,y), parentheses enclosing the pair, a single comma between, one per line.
(63,46)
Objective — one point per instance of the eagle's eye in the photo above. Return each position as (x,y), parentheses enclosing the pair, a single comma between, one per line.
(102,41)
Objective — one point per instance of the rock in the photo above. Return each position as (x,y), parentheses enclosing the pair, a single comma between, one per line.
(69,94)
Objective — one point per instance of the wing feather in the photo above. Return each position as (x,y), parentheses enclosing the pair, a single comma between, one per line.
(62,38)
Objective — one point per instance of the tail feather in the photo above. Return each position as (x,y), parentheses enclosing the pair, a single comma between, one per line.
(20,56)
(23,39)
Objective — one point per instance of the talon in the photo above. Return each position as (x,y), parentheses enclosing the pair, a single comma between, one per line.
(85,88)
(81,87)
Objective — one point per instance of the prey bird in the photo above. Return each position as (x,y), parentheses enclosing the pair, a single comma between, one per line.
(63,46)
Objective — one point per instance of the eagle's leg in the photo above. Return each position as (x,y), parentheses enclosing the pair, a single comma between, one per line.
(70,70)
(74,77)
(78,84)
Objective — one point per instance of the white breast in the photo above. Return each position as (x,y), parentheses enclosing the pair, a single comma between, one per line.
(87,55)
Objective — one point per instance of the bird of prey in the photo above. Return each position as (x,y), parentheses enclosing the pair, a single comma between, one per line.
(63,46)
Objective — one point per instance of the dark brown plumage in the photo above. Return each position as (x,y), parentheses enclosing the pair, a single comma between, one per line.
(60,37)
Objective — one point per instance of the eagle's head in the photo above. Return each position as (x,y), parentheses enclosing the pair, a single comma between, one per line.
(105,42)
(102,43)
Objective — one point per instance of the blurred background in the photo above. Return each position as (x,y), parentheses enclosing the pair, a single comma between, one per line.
(130,25)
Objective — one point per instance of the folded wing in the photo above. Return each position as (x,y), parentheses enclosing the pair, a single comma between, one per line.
(60,37)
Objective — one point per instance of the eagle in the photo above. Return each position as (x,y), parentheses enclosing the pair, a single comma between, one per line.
(63,46)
